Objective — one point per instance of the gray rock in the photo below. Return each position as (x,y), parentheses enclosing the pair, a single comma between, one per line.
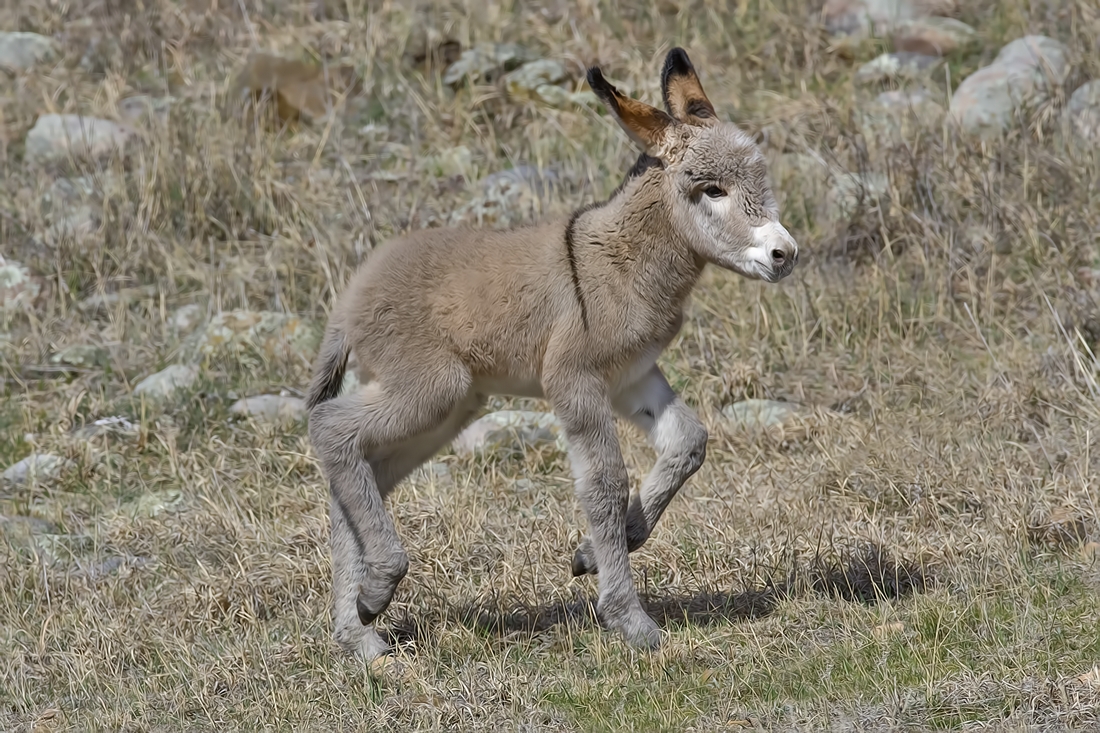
(76,224)
(56,138)
(934,36)
(37,467)
(800,182)
(897,117)
(1020,78)
(851,194)
(1083,112)
(116,426)
(124,298)
(861,17)
(508,197)
(43,539)
(897,67)
(456,161)
(18,287)
(760,414)
(21,51)
(83,356)
(270,408)
(584,98)
(255,337)
(21,532)
(186,319)
(1036,51)
(69,208)
(526,81)
(509,429)
(154,504)
(64,192)
(166,383)
(61,547)
(486,62)
(143,109)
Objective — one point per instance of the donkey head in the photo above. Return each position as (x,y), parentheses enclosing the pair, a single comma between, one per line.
(714,177)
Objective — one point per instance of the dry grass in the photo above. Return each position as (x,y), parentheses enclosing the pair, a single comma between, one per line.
(899,561)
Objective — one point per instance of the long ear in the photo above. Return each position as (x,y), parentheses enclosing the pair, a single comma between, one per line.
(684,96)
(645,125)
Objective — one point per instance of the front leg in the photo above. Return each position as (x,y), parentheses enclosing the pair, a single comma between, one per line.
(584,408)
(680,439)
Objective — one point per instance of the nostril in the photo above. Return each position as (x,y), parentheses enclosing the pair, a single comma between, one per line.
(779,255)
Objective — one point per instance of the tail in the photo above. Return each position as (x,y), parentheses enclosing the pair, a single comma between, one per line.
(328,371)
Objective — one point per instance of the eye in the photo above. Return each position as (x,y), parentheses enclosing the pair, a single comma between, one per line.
(714,192)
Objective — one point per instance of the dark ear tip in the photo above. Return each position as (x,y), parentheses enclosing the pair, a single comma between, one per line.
(595,77)
(677,62)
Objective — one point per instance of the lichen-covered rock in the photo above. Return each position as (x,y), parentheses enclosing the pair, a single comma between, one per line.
(55,138)
(154,504)
(270,408)
(456,161)
(896,67)
(22,51)
(168,382)
(524,82)
(83,356)
(509,429)
(486,62)
(186,319)
(254,337)
(1083,112)
(37,467)
(1020,78)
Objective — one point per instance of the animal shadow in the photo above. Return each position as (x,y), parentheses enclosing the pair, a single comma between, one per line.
(864,575)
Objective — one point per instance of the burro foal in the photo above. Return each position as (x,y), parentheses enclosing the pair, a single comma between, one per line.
(575,310)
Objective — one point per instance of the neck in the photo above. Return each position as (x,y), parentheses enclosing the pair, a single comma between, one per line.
(633,233)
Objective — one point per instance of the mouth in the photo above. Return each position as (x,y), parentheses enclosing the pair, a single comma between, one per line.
(771,274)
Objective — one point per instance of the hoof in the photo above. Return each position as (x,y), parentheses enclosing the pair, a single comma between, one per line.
(647,638)
(638,629)
(362,643)
(366,615)
(580,564)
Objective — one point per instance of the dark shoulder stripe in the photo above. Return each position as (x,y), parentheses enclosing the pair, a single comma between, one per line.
(572,256)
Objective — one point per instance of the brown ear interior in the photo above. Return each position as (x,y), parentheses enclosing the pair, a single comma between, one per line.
(644,124)
(683,92)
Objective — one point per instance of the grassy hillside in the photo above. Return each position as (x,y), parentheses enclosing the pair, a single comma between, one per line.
(915,550)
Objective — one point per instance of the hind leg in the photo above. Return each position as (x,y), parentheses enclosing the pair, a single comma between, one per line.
(406,457)
(359,438)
